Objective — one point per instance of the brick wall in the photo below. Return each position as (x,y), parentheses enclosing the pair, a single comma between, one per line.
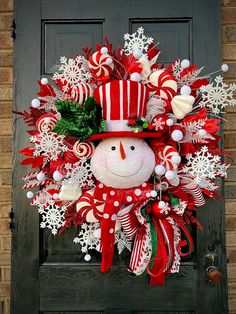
(229,56)
(6,8)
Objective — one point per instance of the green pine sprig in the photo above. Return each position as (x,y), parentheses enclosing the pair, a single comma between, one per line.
(79,121)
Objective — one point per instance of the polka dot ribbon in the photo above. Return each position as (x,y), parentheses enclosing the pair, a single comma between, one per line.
(115,199)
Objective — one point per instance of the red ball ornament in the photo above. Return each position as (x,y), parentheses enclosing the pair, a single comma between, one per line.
(131,122)
(166,198)
(160,212)
(159,123)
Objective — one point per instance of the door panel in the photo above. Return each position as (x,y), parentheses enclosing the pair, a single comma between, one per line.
(49,273)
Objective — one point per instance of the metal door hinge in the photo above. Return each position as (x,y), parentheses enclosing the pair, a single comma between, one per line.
(13,32)
(11,223)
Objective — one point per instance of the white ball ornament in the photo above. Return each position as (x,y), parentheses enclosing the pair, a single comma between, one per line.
(170,175)
(177,135)
(137,53)
(153,193)
(104,50)
(170,122)
(87,257)
(109,61)
(160,170)
(135,77)
(55,196)
(44,81)
(185,90)
(41,176)
(185,63)
(30,194)
(176,159)
(97,233)
(35,103)
(224,67)
(57,176)
(202,132)
(161,204)
(47,120)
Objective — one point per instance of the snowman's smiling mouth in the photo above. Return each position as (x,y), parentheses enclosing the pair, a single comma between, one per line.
(125,176)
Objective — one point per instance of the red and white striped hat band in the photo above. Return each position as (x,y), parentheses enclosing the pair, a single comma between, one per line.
(120,101)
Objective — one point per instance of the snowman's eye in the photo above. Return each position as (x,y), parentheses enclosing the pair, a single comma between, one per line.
(132,147)
(113,148)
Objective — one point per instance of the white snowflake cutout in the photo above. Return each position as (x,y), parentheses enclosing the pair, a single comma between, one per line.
(87,237)
(52,216)
(122,242)
(221,170)
(48,144)
(136,40)
(201,165)
(72,72)
(79,174)
(192,132)
(219,96)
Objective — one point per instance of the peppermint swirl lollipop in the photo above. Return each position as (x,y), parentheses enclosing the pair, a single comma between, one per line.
(166,155)
(100,64)
(163,84)
(46,123)
(82,149)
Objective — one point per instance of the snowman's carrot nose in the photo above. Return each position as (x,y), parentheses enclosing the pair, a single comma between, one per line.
(122,151)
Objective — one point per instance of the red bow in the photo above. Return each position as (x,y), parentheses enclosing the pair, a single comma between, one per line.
(114,200)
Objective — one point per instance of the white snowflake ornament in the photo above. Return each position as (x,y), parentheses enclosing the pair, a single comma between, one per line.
(122,242)
(79,174)
(72,72)
(202,165)
(217,97)
(49,144)
(136,41)
(87,238)
(52,216)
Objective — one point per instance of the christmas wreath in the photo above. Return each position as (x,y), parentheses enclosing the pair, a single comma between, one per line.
(125,150)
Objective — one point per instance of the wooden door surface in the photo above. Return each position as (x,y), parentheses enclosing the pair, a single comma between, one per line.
(49,273)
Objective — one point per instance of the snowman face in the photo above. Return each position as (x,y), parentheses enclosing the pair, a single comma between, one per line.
(122,162)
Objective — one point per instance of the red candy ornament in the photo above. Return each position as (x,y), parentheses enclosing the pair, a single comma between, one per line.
(163,84)
(100,64)
(159,123)
(160,210)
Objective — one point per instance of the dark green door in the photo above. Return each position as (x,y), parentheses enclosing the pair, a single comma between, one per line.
(49,273)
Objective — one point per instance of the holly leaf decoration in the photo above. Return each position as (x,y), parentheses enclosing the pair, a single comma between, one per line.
(79,121)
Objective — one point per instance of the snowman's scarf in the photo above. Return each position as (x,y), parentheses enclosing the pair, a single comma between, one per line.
(114,200)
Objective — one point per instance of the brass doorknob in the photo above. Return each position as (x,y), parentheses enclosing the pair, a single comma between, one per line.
(213,274)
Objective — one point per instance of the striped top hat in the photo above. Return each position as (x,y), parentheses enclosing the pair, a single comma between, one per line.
(122,100)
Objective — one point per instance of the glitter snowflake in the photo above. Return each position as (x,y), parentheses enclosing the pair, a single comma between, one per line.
(221,170)
(189,78)
(192,134)
(87,237)
(180,208)
(208,185)
(158,124)
(202,165)
(219,96)
(176,68)
(72,72)
(122,242)
(79,174)
(49,145)
(52,216)
(136,40)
